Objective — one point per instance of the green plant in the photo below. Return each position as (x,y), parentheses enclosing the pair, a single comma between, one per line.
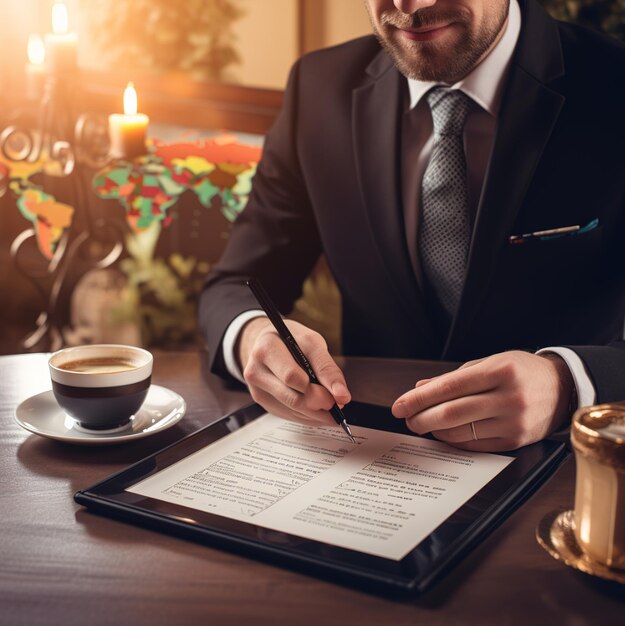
(194,36)
(605,15)
(161,294)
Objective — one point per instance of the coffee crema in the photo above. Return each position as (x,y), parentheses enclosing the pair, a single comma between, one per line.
(99,365)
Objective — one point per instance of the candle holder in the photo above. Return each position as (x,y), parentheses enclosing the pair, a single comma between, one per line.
(64,149)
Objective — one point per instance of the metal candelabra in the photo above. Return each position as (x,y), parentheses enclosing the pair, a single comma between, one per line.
(69,147)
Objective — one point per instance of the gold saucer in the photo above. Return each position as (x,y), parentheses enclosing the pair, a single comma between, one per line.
(555,534)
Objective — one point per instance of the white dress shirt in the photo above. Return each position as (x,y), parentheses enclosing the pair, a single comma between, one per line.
(484,85)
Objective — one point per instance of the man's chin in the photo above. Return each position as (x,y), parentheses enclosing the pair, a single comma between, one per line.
(438,60)
(429,63)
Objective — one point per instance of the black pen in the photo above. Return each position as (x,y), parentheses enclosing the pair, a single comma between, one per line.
(289,341)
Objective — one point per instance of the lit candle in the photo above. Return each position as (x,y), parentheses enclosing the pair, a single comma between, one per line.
(61,45)
(128,131)
(35,75)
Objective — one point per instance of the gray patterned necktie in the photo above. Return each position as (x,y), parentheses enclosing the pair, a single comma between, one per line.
(444,233)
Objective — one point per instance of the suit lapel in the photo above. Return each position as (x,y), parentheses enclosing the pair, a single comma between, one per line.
(377,112)
(528,114)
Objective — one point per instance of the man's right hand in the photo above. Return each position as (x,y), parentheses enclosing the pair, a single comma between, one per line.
(279,384)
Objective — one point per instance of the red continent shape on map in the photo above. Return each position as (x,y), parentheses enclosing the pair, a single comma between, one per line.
(213,151)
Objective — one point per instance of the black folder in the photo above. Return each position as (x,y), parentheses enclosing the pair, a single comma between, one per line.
(417,571)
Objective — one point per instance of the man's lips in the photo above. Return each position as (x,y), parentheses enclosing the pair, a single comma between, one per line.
(425,33)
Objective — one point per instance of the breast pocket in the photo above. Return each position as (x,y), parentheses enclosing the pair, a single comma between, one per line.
(573,256)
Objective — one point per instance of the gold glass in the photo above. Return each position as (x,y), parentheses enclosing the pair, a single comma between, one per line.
(598,438)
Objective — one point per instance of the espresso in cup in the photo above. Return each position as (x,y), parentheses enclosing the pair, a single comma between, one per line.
(99,365)
(101,386)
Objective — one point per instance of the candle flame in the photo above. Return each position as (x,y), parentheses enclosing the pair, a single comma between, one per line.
(36,50)
(130,100)
(59,18)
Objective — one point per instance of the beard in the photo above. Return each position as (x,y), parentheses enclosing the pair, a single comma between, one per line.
(433,61)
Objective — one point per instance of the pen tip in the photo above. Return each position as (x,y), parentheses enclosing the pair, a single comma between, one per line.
(348,431)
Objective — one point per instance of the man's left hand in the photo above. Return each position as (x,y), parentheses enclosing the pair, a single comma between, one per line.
(512,399)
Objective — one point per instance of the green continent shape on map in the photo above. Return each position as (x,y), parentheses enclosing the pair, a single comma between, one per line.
(149,188)
(146,195)
(205,191)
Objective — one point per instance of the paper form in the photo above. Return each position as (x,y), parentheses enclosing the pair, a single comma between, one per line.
(381,496)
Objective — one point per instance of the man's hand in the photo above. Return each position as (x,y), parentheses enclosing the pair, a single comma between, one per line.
(279,384)
(512,398)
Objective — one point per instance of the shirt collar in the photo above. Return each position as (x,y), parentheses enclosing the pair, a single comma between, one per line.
(485,82)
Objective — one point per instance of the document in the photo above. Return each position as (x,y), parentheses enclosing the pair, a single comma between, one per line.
(382,495)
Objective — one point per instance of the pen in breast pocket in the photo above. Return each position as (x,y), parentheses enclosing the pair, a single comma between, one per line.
(543,233)
(553,232)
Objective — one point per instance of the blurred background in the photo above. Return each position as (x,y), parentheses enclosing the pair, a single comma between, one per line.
(247,42)
(110,217)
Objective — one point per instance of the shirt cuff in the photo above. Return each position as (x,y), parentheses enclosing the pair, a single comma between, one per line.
(586,393)
(230,339)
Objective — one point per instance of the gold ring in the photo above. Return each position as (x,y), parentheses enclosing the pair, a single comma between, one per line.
(473,431)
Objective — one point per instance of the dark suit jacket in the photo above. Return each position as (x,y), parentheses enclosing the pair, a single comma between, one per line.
(329,180)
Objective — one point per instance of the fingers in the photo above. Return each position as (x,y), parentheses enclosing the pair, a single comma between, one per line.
(511,398)
(328,373)
(276,407)
(492,436)
(489,428)
(471,363)
(283,400)
(488,433)
(422,382)
(281,386)
(457,384)
(456,413)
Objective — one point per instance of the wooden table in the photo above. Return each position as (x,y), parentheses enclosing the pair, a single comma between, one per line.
(62,565)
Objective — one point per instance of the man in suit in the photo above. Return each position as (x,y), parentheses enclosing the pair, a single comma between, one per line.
(462,172)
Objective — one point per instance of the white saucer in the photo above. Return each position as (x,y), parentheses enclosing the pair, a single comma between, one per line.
(42,415)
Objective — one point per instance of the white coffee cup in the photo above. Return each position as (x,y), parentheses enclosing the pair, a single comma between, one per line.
(102,385)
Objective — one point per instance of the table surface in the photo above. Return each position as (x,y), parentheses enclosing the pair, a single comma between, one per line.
(60,564)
